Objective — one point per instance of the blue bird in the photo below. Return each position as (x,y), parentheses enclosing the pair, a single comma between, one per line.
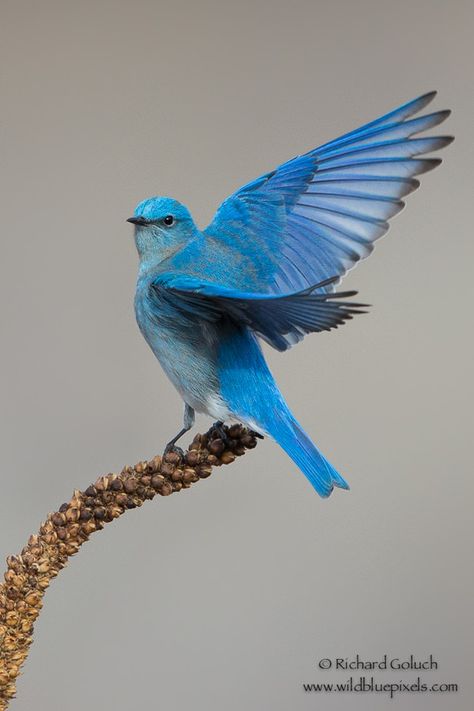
(267,266)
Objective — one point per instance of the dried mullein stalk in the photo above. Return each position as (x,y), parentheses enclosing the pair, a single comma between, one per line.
(64,531)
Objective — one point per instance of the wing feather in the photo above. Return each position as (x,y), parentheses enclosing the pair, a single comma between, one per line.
(281,320)
(321,212)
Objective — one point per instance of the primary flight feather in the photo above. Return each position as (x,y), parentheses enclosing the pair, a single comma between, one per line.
(267,266)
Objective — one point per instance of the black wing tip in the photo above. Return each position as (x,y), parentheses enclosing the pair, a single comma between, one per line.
(342,294)
(444,113)
(437,117)
(436,143)
(444,141)
(418,103)
(414,185)
(429,164)
(350,308)
(441,142)
(428,96)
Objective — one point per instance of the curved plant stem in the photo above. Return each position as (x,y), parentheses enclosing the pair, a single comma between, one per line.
(29,574)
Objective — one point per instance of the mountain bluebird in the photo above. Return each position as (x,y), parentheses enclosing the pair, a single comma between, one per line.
(267,266)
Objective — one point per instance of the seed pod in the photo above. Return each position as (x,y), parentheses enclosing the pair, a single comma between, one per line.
(167,468)
(157,481)
(43,566)
(189,475)
(121,500)
(74,529)
(47,526)
(50,538)
(248,441)
(102,484)
(72,515)
(33,598)
(130,485)
(115,511)
(72,548)
(58,519)
(166,489)
(193,457)
(89,527)
(154,465)
(235,431)
(203,471)
(19,581)
(172,457)
(26,627)
(227,457)
(11,619)
(99,513)
(216,446)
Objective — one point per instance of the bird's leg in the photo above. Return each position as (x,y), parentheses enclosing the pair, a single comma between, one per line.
(188,422)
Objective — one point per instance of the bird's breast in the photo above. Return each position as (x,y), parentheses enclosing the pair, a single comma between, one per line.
(187,352)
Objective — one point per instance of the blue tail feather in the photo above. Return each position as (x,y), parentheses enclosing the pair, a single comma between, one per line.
(287,432)
(248,389)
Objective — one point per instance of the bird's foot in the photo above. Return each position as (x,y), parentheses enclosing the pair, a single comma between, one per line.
(172,447)
(224,433)
(219,431)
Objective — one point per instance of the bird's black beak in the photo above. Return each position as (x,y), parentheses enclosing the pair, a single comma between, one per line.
(137,220)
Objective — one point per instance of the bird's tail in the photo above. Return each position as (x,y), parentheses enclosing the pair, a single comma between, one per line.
(291,437)
(252,396)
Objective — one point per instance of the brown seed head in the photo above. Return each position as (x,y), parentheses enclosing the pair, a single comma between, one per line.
(64,531)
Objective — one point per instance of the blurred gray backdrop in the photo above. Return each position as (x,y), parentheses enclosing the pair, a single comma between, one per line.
(227,597)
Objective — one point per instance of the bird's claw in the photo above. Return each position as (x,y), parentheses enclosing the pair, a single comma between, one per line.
(219,429)
(171,447)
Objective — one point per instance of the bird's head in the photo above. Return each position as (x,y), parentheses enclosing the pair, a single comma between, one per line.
(162,226)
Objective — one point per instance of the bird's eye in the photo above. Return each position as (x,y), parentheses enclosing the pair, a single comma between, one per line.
(168,220)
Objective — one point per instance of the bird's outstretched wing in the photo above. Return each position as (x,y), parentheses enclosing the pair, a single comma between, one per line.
(318,214)
(281,320)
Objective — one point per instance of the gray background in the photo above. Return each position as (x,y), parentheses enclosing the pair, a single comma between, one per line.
(227,597)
